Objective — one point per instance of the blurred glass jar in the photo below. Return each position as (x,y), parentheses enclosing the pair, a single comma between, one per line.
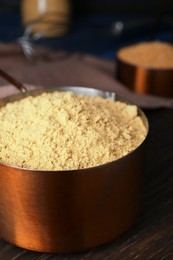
(51,17)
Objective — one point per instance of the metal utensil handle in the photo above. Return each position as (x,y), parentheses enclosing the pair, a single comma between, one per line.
(13,81)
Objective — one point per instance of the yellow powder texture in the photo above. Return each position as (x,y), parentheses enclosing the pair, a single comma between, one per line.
(150,54)
(64,131)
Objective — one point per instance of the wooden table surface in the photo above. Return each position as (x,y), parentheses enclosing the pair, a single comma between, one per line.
(152,236)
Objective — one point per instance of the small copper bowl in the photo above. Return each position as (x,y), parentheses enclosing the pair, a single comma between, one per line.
(145,80)
(68,211)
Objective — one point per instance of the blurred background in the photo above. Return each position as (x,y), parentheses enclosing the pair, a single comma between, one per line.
(96,26)
(108,6)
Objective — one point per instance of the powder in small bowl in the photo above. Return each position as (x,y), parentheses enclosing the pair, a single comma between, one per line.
(149,54)
(64,131)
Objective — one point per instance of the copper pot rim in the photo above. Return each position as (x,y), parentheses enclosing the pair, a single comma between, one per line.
(144,67)
(71,88)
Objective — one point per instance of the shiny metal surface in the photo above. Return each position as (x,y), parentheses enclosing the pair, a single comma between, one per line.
(145,80)
(68,211)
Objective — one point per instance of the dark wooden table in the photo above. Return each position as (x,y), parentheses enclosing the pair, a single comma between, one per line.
(152,236)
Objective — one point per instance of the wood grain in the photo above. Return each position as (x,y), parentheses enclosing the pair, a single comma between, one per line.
(152,236)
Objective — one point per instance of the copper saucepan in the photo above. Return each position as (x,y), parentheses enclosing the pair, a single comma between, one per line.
(145,80)
(68,211)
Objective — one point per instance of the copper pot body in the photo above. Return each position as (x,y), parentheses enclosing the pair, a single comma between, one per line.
(69,211)
(145,80)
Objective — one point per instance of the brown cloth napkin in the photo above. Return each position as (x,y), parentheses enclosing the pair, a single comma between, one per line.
(53,68)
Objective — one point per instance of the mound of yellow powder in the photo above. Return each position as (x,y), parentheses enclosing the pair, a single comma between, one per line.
(150,54)
(63,131)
